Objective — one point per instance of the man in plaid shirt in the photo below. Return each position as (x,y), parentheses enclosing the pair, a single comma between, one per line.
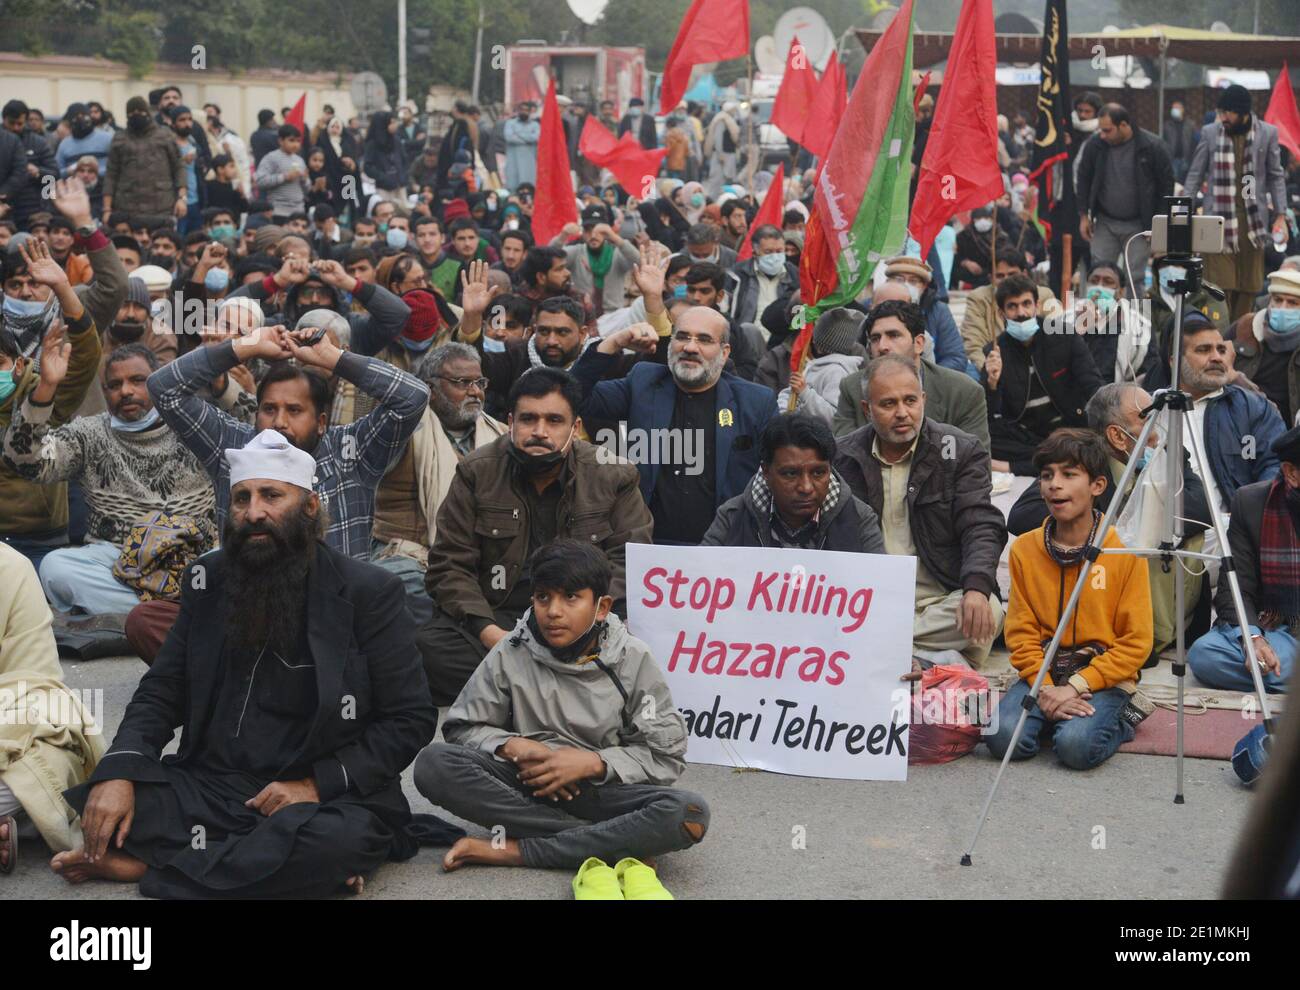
(350,460)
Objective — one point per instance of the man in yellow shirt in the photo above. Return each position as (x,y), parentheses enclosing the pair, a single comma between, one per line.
(1082,703)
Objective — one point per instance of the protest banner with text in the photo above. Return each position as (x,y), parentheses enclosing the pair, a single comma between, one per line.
(782,660)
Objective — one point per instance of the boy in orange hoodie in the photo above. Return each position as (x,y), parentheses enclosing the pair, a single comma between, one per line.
(1082,700)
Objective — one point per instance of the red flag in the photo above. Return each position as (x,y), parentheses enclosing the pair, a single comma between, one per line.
(769,212)
(711,31)
(554,205)
(818,278)
(795,98)
(633,167)
(960,168)
(827,109)
(298,116)
(1283,114)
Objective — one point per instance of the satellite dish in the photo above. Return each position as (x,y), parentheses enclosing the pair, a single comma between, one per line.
(769,61)
(369,93)
(814,34)
(588,11)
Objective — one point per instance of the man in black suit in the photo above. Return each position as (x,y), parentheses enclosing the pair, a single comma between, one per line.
(294,671)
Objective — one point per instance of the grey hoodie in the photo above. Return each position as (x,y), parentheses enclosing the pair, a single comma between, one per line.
(520,689)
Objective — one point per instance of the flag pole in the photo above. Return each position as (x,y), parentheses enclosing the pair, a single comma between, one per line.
(749,123)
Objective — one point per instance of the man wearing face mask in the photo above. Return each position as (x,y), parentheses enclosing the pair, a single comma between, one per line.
(536,484)
(128,463)
(761,279)
(639,124)
(321,286)
(1233,147)
(1114,413)
(34,163)
(1164,273)
(1180,138)
(1117,334)
(522,134)
(39,303)
(704,243)
(1267,344)
(85,139)
(1265,551)
(145,176)
(132,325)
(1035,382)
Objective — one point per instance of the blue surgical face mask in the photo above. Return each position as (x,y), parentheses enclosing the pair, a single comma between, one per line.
(771,265)
(1284,320)
(1144,458)
(697,200)
(13,306)
(7,384)
(395,238)
(216,280)
(1169,274)
(492,345)
(416,346)
(1023,330)
(222,230)
(146,421)
(679,291)
(1102,297)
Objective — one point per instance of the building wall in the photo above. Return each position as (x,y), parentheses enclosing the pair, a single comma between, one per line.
(52,82)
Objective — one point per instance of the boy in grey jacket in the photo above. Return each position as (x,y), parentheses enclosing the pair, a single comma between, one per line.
(572,715)
(282,176)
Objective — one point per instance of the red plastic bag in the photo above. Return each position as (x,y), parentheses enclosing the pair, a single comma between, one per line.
(948,714)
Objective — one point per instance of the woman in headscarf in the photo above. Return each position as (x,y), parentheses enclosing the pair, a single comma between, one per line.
(385,162)
(693,201)
(341,158)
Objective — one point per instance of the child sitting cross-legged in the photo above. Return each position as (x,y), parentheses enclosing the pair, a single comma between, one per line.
(566,735)
(1108,638)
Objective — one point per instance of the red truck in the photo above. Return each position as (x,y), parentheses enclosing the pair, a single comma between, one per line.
(585,74)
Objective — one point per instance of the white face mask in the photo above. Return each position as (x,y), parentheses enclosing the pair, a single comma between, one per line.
(983,225)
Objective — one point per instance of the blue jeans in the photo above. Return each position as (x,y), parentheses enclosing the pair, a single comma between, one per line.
(1219,661)
(81,579)
(418,602)
(35,549)
(1081,743)
(193,219)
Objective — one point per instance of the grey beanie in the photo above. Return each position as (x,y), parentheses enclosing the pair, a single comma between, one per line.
(837,330)
(137,292)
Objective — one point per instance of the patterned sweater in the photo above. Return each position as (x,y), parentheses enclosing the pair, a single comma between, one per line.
(125,476)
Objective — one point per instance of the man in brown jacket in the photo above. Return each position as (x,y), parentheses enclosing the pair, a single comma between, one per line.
(930,485)
(533,485)
(144,177)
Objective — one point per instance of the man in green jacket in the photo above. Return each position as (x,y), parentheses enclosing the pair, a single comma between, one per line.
(951,397)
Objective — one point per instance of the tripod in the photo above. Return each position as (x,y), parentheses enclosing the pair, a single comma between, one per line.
(1173,405)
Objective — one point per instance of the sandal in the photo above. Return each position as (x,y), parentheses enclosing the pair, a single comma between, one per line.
(10,844)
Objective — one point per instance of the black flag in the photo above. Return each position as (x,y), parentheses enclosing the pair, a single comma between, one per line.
(1051,159)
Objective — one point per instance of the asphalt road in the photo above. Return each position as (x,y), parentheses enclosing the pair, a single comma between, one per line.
(1110,833)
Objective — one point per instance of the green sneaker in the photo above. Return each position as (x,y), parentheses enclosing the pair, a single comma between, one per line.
(639,882)
(595,881)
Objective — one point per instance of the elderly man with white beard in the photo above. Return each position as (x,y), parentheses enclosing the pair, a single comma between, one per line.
(407,500)
(693,399)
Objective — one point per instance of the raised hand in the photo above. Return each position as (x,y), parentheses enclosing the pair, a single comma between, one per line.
(56,349)
(475,293)
(323,354)
(267,343)
(333,274)
(292,272)
(649,274)
(40,265)
(72,200)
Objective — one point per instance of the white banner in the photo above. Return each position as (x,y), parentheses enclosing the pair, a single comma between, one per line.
(782,660)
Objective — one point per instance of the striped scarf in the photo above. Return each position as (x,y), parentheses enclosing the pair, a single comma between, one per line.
(1223,191)
(1279,560)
